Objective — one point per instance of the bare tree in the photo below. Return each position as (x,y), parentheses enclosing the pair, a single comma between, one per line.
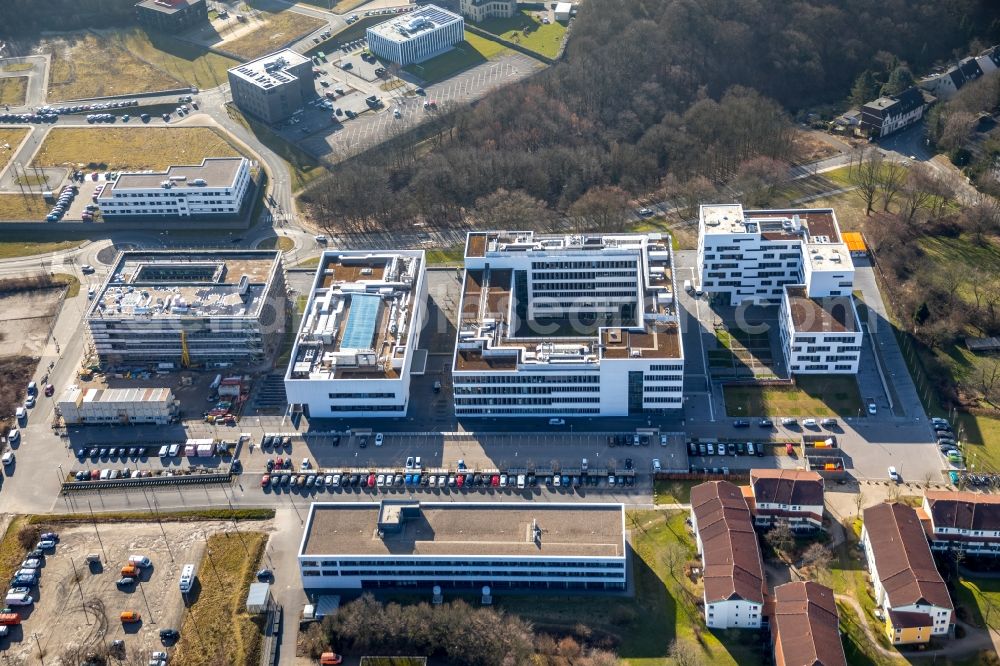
(891,177)
(686,653)
(864,175)
(674,556)
(988,380)
(817,555)
(602,209)
(859,502)
(780,538)
(918,191)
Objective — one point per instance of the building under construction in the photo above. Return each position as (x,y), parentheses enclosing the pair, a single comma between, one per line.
(189,309)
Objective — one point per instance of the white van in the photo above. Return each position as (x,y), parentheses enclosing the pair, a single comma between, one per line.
(687,286)
(557,421)
(164,450)
(21,413)
(187,578)
(140,561)
(19,599)
(520,480)
(13,435)
(174,450)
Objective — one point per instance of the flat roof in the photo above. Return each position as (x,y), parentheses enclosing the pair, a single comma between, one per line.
(810,225)
(168,6)
(483,529)
(176,284)
(410,25)
(75,393)
(271,70)
(498,332)
(827,314)
(357,322)
(212,172)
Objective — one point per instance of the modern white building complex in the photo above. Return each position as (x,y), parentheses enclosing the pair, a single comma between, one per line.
(356,346)
(796,258)
(206,309)
(733,569)
(416,36)
(963,521)
(109,406)
(567,325)
(274,86)
(217,187)
(409,544)
(907,584)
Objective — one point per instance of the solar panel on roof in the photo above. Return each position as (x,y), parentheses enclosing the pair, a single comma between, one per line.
(359,331)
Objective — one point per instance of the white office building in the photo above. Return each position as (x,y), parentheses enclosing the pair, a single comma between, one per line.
(796,258)
(567,325)
(216,187)
(416,36)
(419,545)
(356,346)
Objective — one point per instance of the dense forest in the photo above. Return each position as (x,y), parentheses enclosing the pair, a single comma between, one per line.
(652,94)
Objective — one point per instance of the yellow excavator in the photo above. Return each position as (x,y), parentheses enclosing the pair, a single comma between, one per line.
(185,355)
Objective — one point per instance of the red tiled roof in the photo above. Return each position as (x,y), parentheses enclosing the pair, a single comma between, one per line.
(804,626)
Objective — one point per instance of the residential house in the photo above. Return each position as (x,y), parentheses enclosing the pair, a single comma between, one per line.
(890,114)
(944,85)
(908,587)
(963,521)
(804,626)
(734,584)
(794,496)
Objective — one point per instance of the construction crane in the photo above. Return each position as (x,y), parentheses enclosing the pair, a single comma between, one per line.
(185,355)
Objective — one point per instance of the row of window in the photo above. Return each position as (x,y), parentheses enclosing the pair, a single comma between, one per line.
(367,408)
(663,378)
(514,390)
(668,400)
(588,564)
(519,411)
(667,367)
(360,396)
(592,378)
(580,275)
(524,401)
(570,265)
(461,573)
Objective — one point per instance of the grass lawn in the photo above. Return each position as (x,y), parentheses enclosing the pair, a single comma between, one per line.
(311,262)
(473,51)
(663,606)
(11,551)
(275,32)
(527,31)
(10,139)
(673,492)
(981,596)
(217,628)
(17,67)
(303,167)
(25,248)
(13,90)
(737,338)
(131,148)
(71,282)
(20,207)
(283,243)
(819,396)
(446,256)
(194,65)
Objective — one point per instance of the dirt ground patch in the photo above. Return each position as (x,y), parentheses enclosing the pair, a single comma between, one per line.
(13,90)
(67,583)
(10,139)
(131,148)
(276,31)
(24,328)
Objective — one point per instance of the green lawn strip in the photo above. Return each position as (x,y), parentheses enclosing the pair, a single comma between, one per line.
(528,32)
(187,62)
(816,396)
(26,248)
(217,623)
(673,492)
(11,551)
(981,597)
(283,243)
(473,51)
(71,282)
(446,256)
(148,517)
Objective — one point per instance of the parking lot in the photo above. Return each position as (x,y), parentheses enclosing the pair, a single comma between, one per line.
(78,605)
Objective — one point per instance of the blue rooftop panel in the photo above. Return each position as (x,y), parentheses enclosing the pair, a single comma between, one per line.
(359,332)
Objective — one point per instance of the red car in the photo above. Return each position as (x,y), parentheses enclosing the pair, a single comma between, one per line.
(49,390)
(460,480)
(264,480)
(371,480)
(280,463)
(495,481)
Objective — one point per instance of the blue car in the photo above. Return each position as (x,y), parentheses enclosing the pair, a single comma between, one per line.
(409,479)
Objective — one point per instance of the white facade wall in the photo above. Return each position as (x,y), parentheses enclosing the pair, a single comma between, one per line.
(180,200)
(746,267)
(363,397)
(952,538)
(738,613)
(560,282)
(421,46)
(805,512)
(820,352)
